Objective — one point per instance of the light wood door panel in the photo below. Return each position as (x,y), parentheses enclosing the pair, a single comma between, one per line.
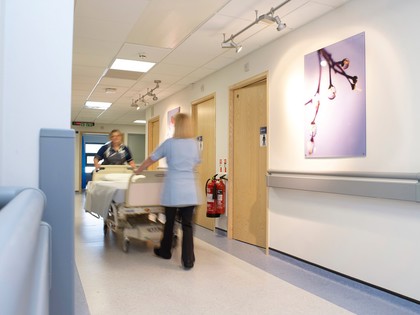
(203,114)
(249,223)
(153,138)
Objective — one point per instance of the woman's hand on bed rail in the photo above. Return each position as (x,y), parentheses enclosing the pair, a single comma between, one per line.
(144,165)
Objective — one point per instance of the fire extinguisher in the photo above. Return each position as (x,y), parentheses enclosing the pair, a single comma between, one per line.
(216,196)
(221,195)
(211,193)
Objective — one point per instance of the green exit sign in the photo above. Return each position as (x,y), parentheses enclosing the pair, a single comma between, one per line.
(83,123)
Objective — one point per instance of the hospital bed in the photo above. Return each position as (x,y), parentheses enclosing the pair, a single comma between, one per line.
(128,203)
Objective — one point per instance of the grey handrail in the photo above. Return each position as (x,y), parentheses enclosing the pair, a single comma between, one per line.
(24,252)
(373,175)
(387,185)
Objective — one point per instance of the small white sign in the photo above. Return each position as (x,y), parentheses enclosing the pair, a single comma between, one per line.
(263,136)
(200,143)
(263,140)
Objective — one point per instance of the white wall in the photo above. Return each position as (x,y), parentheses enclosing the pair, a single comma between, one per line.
(36,63)
(2,32)
(391,79)
(373,240)
(369,239)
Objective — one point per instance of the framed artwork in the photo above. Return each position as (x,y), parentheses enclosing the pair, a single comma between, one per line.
(171,121)
(335,100)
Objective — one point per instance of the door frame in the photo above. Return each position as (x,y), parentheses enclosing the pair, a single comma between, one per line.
(150,134)
(81,156)
(211,223)
(231,181)
(149,138)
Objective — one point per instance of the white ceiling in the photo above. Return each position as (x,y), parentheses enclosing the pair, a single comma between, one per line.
(183,37)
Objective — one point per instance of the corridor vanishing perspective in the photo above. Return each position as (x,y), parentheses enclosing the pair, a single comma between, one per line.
(229,277)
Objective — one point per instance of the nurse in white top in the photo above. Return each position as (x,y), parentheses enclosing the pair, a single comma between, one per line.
(180,188)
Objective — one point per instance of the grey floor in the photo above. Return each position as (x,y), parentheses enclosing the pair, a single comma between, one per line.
(229,277)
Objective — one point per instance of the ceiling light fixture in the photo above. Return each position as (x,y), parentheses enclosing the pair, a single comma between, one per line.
(141,101)
(132,65)
(280,24)
(97,105)
(268,18)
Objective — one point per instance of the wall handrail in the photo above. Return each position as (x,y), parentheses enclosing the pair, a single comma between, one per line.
(373,175)
(398,186)
(24,252)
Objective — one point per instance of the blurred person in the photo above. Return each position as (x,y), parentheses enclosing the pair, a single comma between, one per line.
(114,152)
(180,190)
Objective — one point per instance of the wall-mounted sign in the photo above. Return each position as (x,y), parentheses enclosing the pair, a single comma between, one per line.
(263,136)
(83,123)
(200,143)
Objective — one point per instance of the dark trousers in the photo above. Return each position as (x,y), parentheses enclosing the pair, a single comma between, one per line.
(186,214)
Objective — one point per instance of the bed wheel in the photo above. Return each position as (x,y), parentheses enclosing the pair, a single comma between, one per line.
(126,245)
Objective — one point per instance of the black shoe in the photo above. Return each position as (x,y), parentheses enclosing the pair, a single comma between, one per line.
(187,264)
(157,252)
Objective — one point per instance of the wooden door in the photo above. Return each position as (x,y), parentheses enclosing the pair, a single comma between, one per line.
(153,138)
(203,115)
(249,151)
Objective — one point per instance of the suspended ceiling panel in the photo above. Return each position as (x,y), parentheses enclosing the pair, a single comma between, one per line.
(168,23)
(183,37)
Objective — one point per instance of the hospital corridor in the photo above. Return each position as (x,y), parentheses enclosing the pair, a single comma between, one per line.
(229,277)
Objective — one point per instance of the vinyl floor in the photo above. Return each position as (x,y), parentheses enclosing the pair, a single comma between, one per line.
(229,277)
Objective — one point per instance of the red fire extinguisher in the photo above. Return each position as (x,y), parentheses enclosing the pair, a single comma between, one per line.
(211,193)
(221,195)
(216,196)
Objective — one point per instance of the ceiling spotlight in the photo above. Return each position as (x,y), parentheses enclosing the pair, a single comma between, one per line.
(280,24)
(270,19)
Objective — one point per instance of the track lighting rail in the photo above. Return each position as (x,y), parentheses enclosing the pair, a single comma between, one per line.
(268,17)
(142,101)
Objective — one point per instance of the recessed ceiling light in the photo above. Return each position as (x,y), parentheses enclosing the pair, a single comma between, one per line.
(97,105)
(132,65)
(139,121)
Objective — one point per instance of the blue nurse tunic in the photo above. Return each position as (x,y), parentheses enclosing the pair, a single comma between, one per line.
(180,187)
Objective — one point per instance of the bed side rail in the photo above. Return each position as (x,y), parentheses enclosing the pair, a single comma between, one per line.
(111,169)
(144,189)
